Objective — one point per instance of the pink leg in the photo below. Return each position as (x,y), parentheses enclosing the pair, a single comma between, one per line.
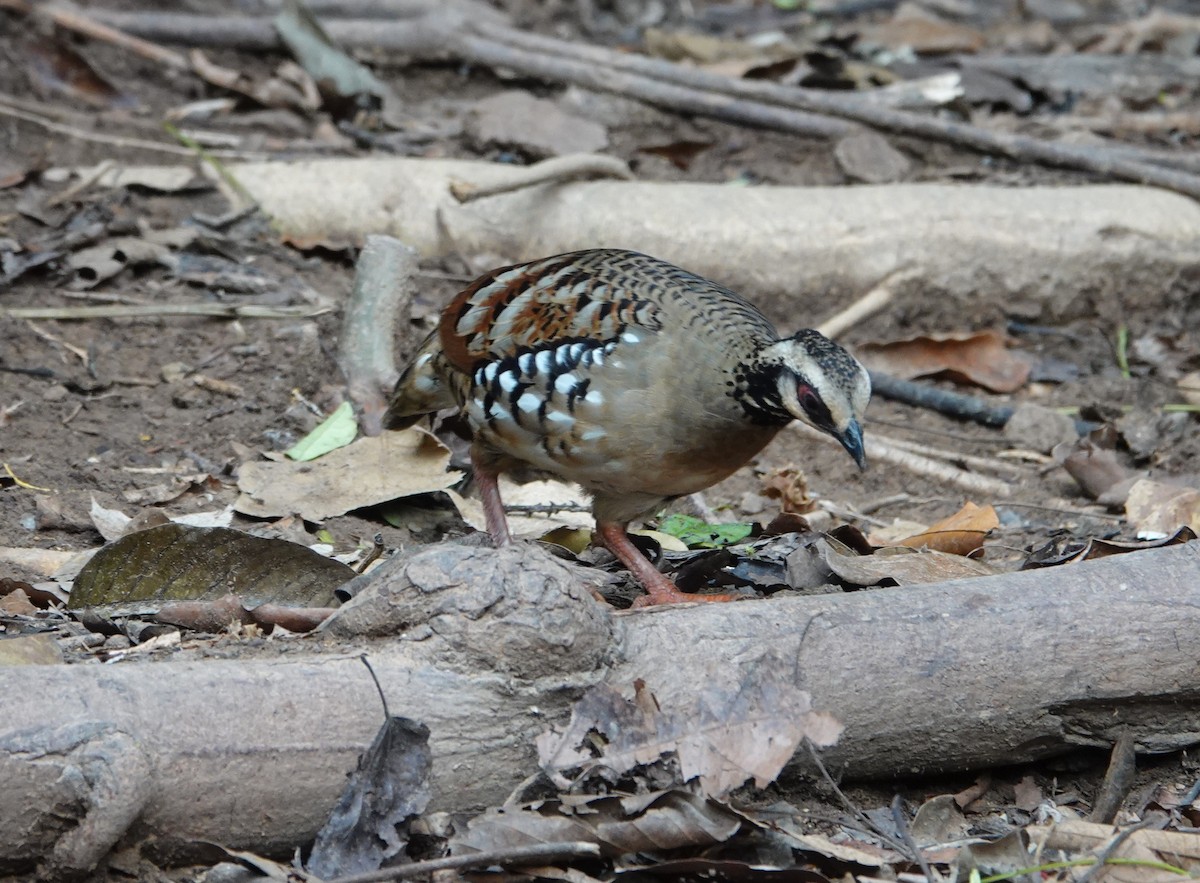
(660,589)
(493,506)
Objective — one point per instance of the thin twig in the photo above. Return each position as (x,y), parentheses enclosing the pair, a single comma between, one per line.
(118,311)
(1110,849)
(73,21)
(867,305)
(514,856)
(863,818)
(558,170)
(880,449)
(901,824)
(115,140)
(986,463)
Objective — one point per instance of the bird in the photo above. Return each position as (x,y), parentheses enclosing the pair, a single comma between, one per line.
(630,376)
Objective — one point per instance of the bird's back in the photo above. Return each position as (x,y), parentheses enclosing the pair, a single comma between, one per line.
(607,367)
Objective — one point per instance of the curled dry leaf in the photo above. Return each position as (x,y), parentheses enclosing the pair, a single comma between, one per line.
(979,358)
(960,534)
(618,825)
(789,486)
(725,738)
(1050,555)
(1096,469)
(902,565)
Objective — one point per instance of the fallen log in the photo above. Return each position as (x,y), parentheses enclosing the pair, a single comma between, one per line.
(489,647)
(1061,252)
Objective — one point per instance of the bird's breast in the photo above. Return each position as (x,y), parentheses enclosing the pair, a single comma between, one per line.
(639,413)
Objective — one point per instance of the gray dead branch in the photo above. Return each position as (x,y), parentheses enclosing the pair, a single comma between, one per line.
(488,648)
(1054,252)
(459,31)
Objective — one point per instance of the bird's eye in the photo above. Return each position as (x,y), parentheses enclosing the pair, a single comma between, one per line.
(809,400)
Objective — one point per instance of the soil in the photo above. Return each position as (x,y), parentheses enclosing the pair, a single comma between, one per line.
(108,411)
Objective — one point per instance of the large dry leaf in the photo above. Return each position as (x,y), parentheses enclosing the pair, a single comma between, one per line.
(365,473)
(175,563)
(618,825)
(727,737)
(899,563)
(980,358)
(1159,509)
(960,534)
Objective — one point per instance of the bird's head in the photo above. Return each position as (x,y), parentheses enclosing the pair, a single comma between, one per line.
(823,385)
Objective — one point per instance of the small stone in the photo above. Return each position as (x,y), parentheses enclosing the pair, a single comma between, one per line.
(1039,428)
(868,157)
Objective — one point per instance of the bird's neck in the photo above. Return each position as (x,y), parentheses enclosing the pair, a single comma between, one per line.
(757,391)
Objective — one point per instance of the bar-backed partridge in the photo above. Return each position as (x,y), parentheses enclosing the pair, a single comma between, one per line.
(628,375)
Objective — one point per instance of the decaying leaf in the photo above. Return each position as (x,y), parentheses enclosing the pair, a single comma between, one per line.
(367,472)
(789,486)
(960,534)
(1051,555)
(368,827)
(725,739)
(1158,509)
(902,565)
(175,563)
(654,822)
(980,358)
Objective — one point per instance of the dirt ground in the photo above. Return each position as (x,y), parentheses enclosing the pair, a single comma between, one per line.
(107,409)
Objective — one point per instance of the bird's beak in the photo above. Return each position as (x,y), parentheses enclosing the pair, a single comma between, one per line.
(852,440)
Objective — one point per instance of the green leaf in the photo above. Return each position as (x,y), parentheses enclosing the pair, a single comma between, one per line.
(337,431)
(699,534)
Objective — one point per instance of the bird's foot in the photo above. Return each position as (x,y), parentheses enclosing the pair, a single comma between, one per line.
(664,591)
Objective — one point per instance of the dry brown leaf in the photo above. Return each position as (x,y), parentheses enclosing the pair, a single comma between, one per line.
(364,473)
(960,534)
(980,358)
(1159,509)
(789,486)
(725,739)
(1095,468)
(899,563)
(659,821)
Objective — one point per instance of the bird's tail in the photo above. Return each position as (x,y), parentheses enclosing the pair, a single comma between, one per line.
(421,389)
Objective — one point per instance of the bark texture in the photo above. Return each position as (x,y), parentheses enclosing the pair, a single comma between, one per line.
(488,647)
